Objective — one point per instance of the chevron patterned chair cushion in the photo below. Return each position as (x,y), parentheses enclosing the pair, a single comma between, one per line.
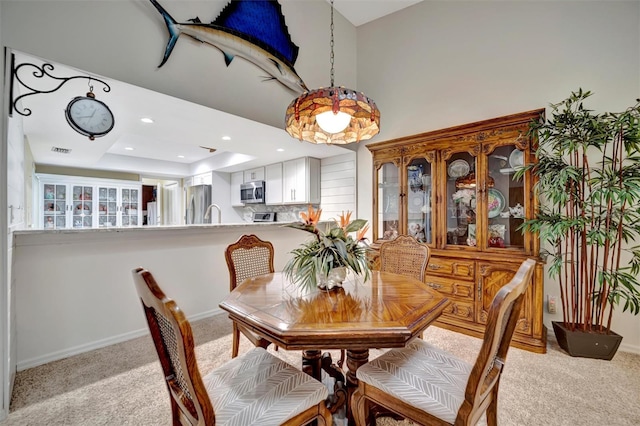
(421,375)
(259,388)
(256,388)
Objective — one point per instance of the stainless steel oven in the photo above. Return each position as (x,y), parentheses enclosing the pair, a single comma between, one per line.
(252,192)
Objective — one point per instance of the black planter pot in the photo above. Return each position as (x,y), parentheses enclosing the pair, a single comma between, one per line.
(587,345)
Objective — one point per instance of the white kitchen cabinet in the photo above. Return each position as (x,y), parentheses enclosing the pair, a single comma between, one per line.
(76,202)
(254,174)
(237,179)
(119,205)
(202,179)
(301,181)
(66,205)
(273,184)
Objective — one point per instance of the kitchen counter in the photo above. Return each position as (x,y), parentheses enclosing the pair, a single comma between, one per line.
(58,235)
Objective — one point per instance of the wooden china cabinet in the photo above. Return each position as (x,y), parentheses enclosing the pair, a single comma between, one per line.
(455,190)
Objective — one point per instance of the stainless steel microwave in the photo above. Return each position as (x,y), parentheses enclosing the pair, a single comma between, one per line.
(252,192)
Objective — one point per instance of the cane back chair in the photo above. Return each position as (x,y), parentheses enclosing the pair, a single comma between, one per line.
(404,255)
(255,388)
(430,386)
(248,257)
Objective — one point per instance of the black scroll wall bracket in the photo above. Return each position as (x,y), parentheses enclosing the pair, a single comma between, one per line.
(39,72)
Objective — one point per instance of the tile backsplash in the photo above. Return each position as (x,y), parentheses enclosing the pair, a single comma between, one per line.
(288,213)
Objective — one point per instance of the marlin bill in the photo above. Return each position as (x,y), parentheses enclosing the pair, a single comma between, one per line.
(240,30)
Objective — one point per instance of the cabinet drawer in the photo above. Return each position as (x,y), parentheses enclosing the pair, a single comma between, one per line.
(462,269)
(460,310)
(451,287)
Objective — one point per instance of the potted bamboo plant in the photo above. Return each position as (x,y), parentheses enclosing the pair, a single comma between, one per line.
(588,182)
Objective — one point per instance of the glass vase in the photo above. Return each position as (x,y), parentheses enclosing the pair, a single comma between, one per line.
(333,279)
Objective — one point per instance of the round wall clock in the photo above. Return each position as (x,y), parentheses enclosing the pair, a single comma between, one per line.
(89,116)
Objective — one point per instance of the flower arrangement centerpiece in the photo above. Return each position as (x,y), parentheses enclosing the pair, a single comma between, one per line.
(323,260)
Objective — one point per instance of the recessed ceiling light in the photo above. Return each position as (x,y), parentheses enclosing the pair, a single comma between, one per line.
(226,138)
(146,120)
(180,156)
(280,149)
(129,148)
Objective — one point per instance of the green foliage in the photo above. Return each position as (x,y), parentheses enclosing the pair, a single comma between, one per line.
(332,248)
(588,173)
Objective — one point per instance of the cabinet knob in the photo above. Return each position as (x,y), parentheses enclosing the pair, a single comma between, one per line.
(434,285)
(433,267)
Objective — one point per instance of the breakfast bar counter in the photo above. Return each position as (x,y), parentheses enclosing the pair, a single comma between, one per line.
(72,289)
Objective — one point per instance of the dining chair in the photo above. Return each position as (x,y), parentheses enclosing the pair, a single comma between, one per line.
(248,257)
(255,388)
(404,255)
(430,386)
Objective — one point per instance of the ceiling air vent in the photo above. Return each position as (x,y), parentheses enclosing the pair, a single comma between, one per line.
(60,150)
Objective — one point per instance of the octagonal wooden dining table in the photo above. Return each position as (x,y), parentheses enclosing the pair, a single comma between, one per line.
(386,311)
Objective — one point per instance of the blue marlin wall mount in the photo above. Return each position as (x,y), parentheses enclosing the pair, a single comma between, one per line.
(240,30)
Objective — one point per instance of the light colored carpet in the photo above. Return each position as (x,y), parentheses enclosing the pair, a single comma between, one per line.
(122,384)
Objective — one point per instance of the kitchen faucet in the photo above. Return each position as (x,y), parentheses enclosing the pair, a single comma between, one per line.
(208,213)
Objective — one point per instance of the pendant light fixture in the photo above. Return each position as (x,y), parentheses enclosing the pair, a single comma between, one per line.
(332,115)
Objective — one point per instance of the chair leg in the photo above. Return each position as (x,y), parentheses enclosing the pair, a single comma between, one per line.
(492,409)
(175,412)
(359,408)
(325,416)
(236,341)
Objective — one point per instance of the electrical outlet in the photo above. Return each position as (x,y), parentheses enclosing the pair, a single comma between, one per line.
(551,304)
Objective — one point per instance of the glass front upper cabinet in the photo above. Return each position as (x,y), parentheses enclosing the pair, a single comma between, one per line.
(405,197)
(419,193)
(505,200)
(55,206)
(485,203)
(388,214)
(462,199)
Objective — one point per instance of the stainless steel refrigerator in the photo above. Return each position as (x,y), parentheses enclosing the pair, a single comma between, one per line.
(198,200)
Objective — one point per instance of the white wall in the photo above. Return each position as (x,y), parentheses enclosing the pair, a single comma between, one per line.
(429,66)
(74,290)
(5,243)
(338,186)
(125,40)
(12,204)
(437,64)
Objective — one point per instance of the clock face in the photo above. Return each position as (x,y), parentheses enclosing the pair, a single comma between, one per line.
(89,116)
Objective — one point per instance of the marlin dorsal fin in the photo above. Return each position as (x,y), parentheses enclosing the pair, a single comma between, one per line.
(250,18)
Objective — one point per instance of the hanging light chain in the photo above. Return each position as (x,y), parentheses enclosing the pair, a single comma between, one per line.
(303,116)
(331,44)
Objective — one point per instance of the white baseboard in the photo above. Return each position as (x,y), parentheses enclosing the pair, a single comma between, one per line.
(65,353)
(634,349)
(54,356)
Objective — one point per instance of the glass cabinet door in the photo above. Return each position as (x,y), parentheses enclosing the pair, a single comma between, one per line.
(461,197)
(505,198)
(418,199)
(129,207)
(388,214)
(81,213)
(107,206)
(55,206)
